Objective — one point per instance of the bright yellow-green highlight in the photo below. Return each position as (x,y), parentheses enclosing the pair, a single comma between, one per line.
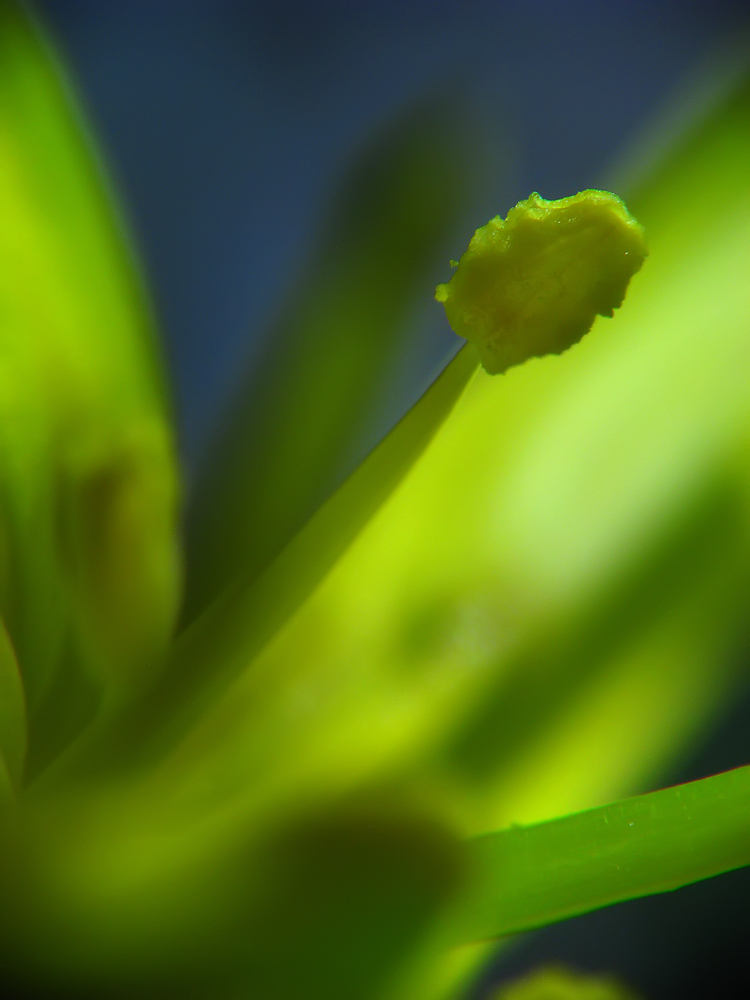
(533,283)
(561,984)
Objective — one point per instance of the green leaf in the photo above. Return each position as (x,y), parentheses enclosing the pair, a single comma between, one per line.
(87,473)
(526,877)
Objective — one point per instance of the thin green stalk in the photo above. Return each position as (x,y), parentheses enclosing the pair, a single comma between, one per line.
(526,877)
(218,645)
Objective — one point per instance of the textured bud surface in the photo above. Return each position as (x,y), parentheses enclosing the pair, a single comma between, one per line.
(533,283)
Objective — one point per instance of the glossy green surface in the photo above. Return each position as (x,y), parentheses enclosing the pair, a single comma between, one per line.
(525,877)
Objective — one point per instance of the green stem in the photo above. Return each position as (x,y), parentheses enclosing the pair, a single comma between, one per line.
(526,877)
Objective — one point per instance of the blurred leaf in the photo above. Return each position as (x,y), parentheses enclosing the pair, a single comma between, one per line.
(343,899)
(325,903)
(208,656)
(304,405)
(526,877)
(87,497)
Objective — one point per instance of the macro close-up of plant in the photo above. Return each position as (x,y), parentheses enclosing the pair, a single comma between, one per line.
(350,708)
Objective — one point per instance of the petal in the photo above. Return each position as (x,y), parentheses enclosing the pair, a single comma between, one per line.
(87,474)
(104,895)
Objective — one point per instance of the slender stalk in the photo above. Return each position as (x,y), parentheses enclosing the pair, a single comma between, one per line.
(525,877)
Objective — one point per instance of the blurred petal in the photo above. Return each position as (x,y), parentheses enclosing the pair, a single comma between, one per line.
(326,903)
(210,654)
(87,488)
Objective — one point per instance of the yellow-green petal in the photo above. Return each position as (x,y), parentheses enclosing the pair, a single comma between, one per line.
(87,472)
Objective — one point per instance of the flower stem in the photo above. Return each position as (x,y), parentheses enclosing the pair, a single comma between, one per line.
(526,877)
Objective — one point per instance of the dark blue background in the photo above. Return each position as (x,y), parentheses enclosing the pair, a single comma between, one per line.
(227,125)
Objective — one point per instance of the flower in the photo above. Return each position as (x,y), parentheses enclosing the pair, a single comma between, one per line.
(502,619)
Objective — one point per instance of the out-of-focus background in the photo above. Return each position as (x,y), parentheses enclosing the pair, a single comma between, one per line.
(228,125)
